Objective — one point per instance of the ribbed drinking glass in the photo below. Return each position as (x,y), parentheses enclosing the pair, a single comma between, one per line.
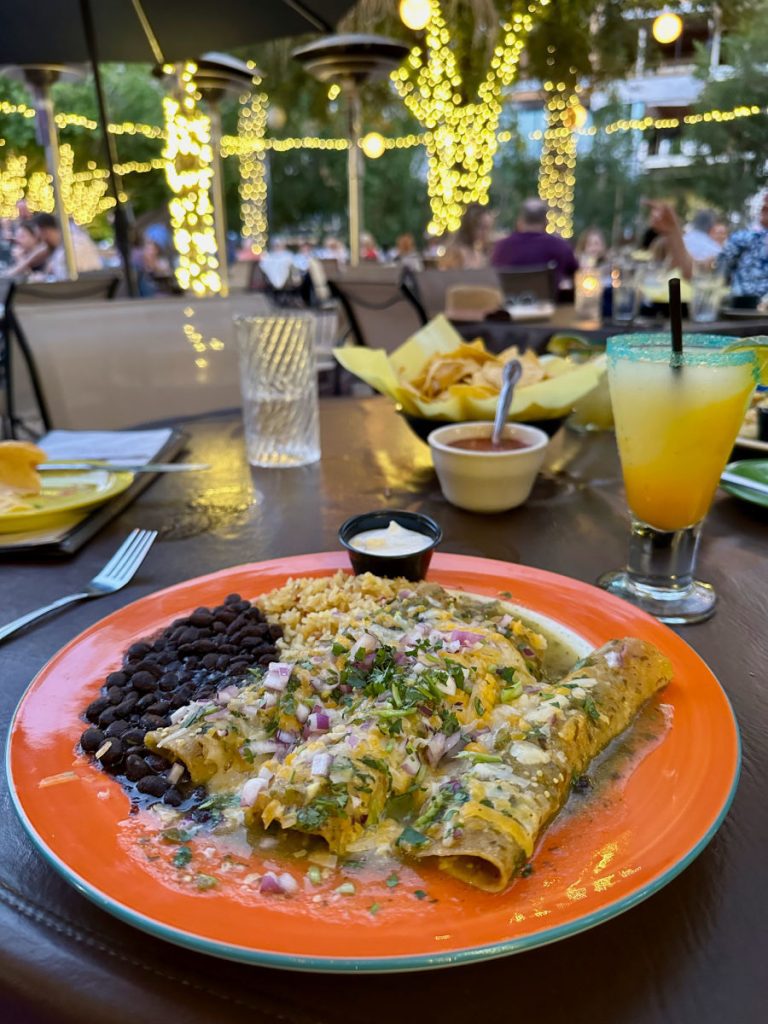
(278,382)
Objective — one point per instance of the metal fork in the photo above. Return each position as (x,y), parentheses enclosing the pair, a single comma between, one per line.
(118,571)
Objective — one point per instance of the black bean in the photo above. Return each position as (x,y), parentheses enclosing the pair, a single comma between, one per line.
(160,707)
(117,728)
(173,797)
(265,660)
(275,632)
(138,650)
(108,717)
(95,708)
(169,681)
(152,721)
(117,679)
(139,751)
(134,736)
(153,785)
(143,681)
(232,599)
(189,635)
(146,700)
(192,662)
(239,666)
(222,660)
(211,660)
(156,762)
(149,665)
(204,647)
(201,617)
(219,626)
(126,706)
(165,659)
(91,740)
(114,694)
(113,753)
(173,666)
(136,767)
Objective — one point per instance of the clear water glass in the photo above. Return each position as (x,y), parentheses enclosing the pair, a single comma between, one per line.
(675,428)
(625,293)
(278,383)
(707,291)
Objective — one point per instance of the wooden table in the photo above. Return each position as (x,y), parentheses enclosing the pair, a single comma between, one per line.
(692,954)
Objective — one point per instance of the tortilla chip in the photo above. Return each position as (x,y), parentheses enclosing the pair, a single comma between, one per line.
(17,467)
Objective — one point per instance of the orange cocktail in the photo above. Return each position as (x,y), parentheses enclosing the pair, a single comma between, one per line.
(675,428)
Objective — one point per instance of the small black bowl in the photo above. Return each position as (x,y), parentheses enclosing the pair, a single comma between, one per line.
(412,567)
(423,427)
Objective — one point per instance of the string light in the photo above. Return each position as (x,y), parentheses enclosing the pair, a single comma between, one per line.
(667,27)
(557,170)
(251,125)
(188,170)
(373,145)
(414,14)
(460,136)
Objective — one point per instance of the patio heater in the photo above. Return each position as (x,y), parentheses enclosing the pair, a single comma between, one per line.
(216,75)
(350,61)
(40,78)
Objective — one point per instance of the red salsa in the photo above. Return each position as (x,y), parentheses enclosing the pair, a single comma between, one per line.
(485,444)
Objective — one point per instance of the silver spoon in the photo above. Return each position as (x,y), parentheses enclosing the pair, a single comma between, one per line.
(511,374)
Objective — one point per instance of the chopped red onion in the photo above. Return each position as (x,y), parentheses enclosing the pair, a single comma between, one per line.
(302,713)
(435,748)
(269,700)
(352,740)
(288,884)
(367,642)
(451,646)
(411,765)
(528,652)
(226,694)
(321,764)
(266,774)
(504,621)
(270,884)
(286,736)
(452,742)
(405,593)
(319,722)
(250,791)
(467,639)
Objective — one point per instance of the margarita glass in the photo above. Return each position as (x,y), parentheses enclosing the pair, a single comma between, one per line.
(675,428)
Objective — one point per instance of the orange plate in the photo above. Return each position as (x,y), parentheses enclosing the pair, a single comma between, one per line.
(612,852)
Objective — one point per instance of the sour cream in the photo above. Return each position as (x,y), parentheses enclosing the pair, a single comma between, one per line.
(393,541)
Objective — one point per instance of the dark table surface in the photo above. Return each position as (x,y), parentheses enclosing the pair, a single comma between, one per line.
(692,954)
(500,334)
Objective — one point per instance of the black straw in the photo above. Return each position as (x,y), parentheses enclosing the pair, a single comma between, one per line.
(676,323)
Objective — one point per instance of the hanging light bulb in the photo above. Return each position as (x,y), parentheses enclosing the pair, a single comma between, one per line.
(372,145)
(414,14)
(667,27)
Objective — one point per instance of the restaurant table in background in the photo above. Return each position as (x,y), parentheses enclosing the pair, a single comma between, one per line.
(500,334)
(691,954)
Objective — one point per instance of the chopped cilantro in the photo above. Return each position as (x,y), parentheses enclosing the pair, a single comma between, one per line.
(591,709)
(507,673)
(479,707)
(411,837)
(419,894)
(337,648)
(374,909)
(176,835)
(393,880)
(206,882)
(182,857)
(376,763)
(527,871)
(247,753)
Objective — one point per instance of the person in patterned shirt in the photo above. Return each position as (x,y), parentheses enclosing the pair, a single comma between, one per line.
(745,255)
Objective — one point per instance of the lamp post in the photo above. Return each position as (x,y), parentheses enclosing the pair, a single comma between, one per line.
(40,78)
(350,61)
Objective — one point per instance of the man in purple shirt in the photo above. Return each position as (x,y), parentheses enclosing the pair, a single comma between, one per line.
(530,245)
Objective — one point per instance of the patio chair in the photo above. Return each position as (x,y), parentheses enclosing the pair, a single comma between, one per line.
(427,289)
(380,315)
(95,286)
(522,285)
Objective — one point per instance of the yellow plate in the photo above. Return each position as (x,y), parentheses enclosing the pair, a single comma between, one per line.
(62,494)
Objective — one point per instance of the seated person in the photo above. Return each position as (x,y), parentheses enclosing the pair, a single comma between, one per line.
(30,253)
(468,248)
(745,255)
(86,253)
(531,245)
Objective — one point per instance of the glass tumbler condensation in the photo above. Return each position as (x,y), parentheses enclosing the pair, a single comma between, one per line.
(278,383)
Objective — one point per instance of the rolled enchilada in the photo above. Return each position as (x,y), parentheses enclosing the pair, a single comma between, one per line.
(483,820)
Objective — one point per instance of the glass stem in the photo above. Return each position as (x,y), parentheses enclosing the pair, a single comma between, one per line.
(662,559)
